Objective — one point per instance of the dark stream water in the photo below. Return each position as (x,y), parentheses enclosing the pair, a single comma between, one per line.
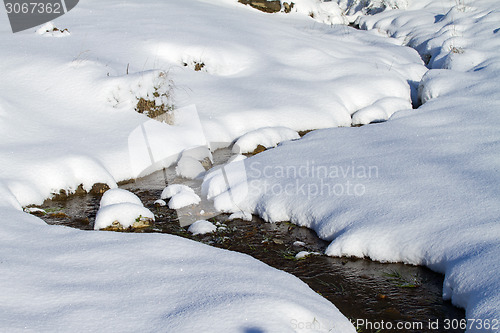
(360,288)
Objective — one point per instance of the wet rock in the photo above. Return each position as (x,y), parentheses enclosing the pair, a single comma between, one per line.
(81,220)
(139,224)
(302,133)
(143,222)
(58,215)
(272,6)
(99,188)
(207,164)
(258,150)
(287,7)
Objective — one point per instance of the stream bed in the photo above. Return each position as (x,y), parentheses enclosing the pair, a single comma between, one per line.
(360,288)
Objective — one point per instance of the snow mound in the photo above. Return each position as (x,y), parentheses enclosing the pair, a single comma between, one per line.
(180,196)
(380,111)
(118,195)
(267,137)
(189,167)
(199,153)
(183,199)
(126,214)
(122,209)
(173,189)
(227,185)
(160,203)
(202,227)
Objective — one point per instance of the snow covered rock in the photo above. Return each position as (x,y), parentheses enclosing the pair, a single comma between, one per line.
(267,137)
(183,199)
(189,167)
(118,195)
(201,227)
(173,189)
(180,196)
(120,210)
(160,203)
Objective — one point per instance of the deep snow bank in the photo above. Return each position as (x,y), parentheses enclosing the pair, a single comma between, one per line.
(421,188)
(67,103)
(62,279)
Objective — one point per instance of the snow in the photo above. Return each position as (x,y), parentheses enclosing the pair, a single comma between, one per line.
(67,118)
(87,75)
(189,167)
(183,199)
(420,188)
(173,189)
(50,30)
(160,203)
(180,196)
(120,206)
(117,195)
(324,12)
(245,216)
(124,213)
(268,137)
(202,227)
(62,279)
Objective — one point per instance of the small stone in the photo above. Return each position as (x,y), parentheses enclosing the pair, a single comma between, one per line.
(288,6)
(99,188)
(143,222)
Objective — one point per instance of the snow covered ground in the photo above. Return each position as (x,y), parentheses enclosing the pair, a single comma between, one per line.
(421,188)
(67,118)
(273,71)
(65,280)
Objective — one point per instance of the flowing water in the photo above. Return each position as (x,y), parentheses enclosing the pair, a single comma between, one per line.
(360,288)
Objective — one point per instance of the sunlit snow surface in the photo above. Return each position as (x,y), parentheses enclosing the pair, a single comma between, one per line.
(421,188)
(67,118)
